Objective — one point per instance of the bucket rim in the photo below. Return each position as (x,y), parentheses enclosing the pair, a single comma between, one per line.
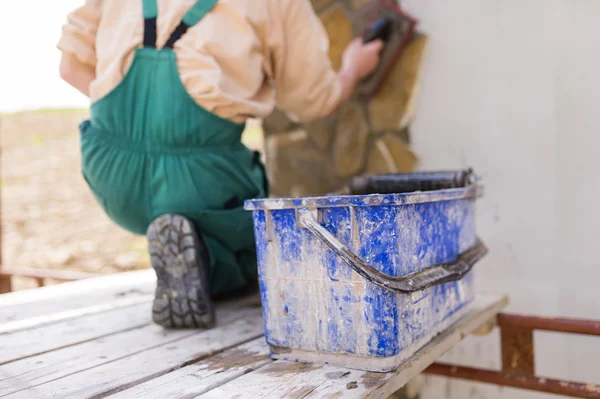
(333,201)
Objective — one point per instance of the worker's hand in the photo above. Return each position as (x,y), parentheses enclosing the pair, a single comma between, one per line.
(359,61)
(361,58)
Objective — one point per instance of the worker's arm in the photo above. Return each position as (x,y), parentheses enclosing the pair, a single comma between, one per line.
(78,45)
(78,75)
(359,61)
(306,84)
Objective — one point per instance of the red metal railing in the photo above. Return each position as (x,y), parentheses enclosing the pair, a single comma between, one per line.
(540,384)
(517,351)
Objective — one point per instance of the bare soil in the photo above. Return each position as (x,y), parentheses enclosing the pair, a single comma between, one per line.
(49,217)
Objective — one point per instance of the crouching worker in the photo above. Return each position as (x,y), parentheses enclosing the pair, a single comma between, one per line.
(171,85)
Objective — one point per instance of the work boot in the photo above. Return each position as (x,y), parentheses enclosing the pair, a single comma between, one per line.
(182,265)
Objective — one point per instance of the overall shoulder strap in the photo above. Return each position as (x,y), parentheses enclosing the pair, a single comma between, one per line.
(150,12)
(191,18)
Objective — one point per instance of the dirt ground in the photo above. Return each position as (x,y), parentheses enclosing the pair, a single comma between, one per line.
(49,218)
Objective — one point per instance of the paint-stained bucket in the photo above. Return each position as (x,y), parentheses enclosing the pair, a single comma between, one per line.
(364,281)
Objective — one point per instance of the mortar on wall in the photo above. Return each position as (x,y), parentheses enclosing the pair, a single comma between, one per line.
(365,136)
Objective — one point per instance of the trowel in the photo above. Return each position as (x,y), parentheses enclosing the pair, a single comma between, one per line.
(385,21)
(395,183)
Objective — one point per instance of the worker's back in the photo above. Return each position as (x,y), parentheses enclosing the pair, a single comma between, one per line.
(150,107)
(231,63)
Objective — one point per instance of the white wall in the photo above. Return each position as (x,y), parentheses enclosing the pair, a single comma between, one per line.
(512,88)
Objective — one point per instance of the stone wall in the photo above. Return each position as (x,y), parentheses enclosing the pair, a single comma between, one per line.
(365,136)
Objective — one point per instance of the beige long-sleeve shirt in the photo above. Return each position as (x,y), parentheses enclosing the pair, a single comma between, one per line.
(240,60)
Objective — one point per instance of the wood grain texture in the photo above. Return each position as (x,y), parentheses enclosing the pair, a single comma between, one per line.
(126,372)
(303,380)
(47,338)
(25,309)
(83,361)
(199,378)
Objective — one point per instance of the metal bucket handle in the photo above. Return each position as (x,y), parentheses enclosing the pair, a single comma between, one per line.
(418,281)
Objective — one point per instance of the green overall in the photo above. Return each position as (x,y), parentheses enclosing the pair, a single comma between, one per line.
(150,149)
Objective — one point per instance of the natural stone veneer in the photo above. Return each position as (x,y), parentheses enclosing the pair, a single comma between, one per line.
(365,136)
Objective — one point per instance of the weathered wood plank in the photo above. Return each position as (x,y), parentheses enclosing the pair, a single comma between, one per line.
(286,379)
(109,378)
(127,301)
(278,379)
(34,371)
(112,282)
(25,309)
(34,341)
(122,360)
(196,379)
(52,274)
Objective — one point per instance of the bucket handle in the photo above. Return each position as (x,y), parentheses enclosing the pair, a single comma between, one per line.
(418,281)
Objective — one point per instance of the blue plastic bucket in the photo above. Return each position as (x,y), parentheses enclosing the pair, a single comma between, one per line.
(364,281)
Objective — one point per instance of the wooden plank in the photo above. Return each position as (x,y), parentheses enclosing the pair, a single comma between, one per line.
(57,275)
(286,379)
(128,300)
(30,372)
(108,283)
(35,341)
(199,378)
(25,309)
(130,357)
(124,373)
(487,328)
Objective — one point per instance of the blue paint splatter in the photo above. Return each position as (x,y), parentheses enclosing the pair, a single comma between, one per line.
(395,239)
(336,221)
